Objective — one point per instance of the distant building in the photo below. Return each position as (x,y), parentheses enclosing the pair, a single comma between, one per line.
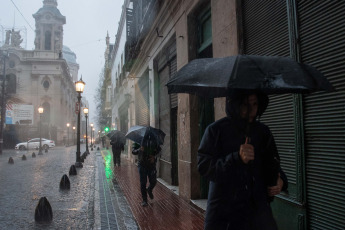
(44,77)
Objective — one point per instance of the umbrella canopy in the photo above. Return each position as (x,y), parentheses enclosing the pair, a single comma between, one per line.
(217,77)
(145,134)
(116,135)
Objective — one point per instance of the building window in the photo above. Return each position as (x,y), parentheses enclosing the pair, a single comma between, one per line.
(205,30)
(46,84)
(11,83)
(47,41)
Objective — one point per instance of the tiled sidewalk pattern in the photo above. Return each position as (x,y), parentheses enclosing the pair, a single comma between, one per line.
(165,211)
(108,214)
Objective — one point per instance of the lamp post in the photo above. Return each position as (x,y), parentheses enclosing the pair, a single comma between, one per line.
(74,140)
(3,100)
(86,112)
(67,134)
(40,111)
(79,87)
(91,135)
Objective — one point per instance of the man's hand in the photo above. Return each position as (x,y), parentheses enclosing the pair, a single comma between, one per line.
(275,190)
(247,152)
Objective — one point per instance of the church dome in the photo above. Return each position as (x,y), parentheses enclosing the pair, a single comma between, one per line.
(69,55)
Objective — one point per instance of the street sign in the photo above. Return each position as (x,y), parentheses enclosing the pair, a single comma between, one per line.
(77,107)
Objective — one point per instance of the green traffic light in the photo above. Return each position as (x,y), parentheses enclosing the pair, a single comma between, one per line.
(106,129)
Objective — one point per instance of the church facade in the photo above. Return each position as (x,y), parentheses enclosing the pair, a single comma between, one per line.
(43,77)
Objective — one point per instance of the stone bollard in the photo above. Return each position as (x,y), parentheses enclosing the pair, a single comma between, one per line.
(72,170)
(65,183)
(43,211)
(23,157)
(10,160)
(33,154)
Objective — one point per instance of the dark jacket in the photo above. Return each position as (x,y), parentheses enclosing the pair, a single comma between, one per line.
(237,196)
(144,156)
(117,146)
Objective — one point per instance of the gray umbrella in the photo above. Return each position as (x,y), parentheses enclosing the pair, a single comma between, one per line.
(217,77)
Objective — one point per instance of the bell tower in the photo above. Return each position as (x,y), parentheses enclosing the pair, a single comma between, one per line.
(49,27)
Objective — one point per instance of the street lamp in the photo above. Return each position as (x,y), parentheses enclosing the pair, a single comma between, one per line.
(40,111)
(86,112)
(79,87)
(91,135)
(74,140)
(67,134)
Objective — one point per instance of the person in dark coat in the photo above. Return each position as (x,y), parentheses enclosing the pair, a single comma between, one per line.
(238,155)
(147,158)
(117,146)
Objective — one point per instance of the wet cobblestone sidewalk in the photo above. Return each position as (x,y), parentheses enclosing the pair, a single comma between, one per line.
(166,211)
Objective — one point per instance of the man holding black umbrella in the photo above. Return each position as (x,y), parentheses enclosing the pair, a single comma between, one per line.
(147,158)
(238,153)
(239,157)
(117,146)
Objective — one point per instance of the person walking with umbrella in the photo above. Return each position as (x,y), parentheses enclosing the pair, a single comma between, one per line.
(238,153)
(147,157)
(117,146)
(239,156)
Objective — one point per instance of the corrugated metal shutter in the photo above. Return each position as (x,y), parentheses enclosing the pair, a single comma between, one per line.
(142,101)
(173,70)
(265,32)
(322,45)
(164,112)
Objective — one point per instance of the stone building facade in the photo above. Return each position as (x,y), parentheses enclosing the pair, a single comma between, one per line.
(44,77)
(163,36)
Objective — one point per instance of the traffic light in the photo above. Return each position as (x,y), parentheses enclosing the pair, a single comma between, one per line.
(106,129)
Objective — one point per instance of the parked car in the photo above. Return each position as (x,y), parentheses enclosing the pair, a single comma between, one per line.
(35,143)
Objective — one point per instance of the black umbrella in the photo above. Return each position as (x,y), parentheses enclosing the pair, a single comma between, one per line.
(145,135)
(217,77)
(116,135)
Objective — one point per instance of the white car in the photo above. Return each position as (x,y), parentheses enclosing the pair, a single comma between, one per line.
(35,143)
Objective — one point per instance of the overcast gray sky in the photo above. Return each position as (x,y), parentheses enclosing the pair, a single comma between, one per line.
(87,23)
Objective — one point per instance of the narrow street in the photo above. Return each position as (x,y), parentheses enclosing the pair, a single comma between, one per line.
(26,181)
(100,197)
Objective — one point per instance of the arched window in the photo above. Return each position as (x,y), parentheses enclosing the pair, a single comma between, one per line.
(46,113)
(47,40)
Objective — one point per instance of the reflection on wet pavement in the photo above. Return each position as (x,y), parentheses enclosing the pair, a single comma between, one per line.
(165,211)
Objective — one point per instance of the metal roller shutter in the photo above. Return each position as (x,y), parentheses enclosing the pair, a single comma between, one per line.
(173,70)
(142,101)
(265,32)
(322,33)
(164,123)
